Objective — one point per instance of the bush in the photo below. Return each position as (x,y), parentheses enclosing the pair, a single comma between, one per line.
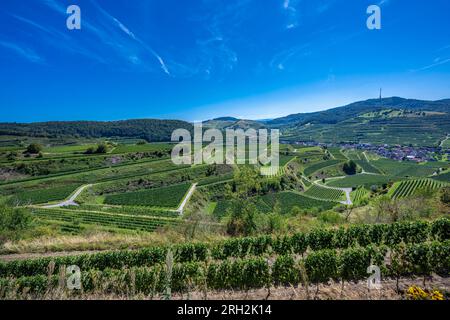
(321,266)
(320,239)
(13,222)
(285,271)
(440,229)
(33,148)
(353,263)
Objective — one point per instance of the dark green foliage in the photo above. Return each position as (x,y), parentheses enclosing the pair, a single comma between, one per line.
(353,263)
(299,243)
(285,271)
(148,129)
(34,148)
(320,239)
(349,167)
(321,266)
(440,229)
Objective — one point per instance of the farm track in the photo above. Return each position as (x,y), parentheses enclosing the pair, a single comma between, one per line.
(71,200)
(347,191)
(186,198)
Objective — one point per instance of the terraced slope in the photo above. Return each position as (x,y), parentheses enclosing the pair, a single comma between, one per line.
(409,187)
(323,193)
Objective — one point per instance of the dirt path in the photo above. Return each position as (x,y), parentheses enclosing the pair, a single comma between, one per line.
(186,198)
(347,192)
(71,200)
(442,142)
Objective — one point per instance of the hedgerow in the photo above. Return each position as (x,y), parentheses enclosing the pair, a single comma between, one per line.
(299,243)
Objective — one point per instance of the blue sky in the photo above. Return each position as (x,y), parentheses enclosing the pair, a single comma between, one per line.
(199,59)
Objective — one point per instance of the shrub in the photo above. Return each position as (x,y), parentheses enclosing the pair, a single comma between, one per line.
(33,148)
(321,266)
(285,271)
(320,239)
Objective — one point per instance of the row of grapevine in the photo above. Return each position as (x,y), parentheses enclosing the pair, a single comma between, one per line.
(328,194)
(337,154)
(359,195)
(299,243)
(351,264)
(320,165)
(27,197)
(272,171)
(408,187)
(168,197)
(145,223)
(129,210)
(367,167)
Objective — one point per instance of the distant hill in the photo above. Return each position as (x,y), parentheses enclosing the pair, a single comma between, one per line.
(232,123)
(149,129)
(335,115)
(390,120)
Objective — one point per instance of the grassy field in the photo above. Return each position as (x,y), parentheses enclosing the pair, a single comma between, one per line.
(69,148)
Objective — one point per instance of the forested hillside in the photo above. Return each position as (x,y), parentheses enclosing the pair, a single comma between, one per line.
(148,129)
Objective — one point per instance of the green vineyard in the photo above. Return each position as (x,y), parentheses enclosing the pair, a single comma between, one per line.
(129,210)
(167,197)
(108,220)
(44,195)
(416,248)
(337,154)
(320,165)
(367,167)
(359,195)
(327,194)
(409,187)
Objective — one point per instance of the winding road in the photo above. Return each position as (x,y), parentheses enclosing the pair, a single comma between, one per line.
(186,199)
(71,200)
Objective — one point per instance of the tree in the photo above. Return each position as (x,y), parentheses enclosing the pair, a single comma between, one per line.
(102,148)
(13,221)
(33,148)
(445,196)
(242,220)
(349,167)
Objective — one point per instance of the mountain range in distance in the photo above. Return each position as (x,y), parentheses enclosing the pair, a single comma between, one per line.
(378,121)
(390,121)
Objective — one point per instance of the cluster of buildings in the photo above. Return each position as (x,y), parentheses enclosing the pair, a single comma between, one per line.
(394,152)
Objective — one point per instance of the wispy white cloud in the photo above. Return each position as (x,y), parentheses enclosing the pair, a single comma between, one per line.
(131,51)
(282,59)
(436,62)
(290,9)
(25,52)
